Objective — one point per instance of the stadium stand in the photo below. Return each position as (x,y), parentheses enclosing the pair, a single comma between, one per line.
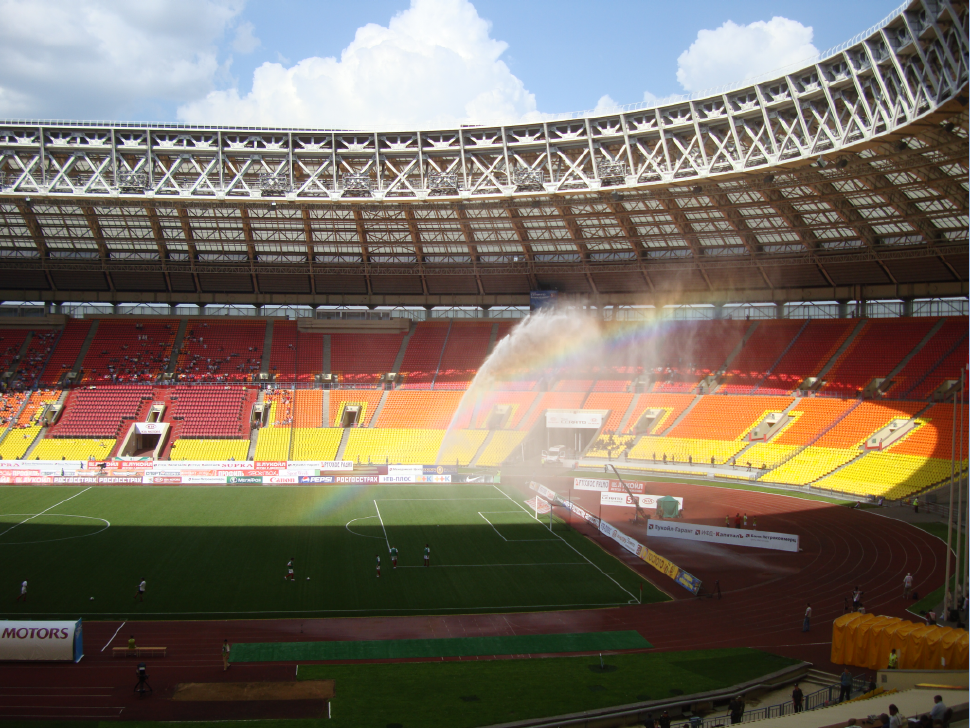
(760,353)
(654,447)
(393,445)
(101,411)
(423,354)
(211,450)
(463,355)
(18,441)
(460,446)
(35,358)
(609,446)
(123,350)
(616,402)
(689,351)
(11,341)
(211,412)
(273,443)
(72,449)
(875,352)
(809,353)
(673,404)
(281,407)
(358,360)
(726,418)
(283,352)
(573,385)
(65,354)
(420,410)
(316,443)
(499,447)
(10,404)
(216,350)
(366,400)
(517,402)
(941,359)
(611,385)
(309,356)
(308,408)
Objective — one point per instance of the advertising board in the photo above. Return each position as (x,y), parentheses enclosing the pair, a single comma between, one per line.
(732,536)
(41,641)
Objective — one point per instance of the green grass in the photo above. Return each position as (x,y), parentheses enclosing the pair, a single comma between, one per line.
(221,552)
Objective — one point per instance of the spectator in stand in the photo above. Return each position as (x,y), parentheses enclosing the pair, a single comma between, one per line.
(896,720)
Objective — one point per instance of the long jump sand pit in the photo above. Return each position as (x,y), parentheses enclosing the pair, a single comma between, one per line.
(255,700)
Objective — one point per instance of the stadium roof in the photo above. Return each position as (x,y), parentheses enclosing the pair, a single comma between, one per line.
(846,179)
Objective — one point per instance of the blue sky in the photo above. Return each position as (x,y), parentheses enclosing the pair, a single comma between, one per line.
(439,63)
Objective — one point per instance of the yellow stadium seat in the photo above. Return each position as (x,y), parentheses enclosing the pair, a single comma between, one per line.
(461,446)
(273,443)
(393,445)
(316,443)
(213,450)
(17,442)
(810,465)
(72,449)
(501,445)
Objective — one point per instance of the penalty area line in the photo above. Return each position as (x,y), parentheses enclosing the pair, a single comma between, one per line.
(568,544)
(386,540)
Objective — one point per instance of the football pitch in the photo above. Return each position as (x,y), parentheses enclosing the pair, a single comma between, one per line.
(222,552)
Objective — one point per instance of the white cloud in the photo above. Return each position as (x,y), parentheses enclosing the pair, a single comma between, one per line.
(605,105)
(733,52)
(245,40)
(105,58)
(434,65)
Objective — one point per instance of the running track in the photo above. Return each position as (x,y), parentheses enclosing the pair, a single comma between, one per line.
(764,597)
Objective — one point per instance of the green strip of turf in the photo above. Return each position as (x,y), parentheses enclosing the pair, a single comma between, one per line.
(447,647)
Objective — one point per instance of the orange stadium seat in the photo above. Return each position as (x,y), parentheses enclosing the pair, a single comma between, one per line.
(418,410)
(368,399)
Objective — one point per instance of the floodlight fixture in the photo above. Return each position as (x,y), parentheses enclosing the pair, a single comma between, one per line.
(769,179)
(616,196)
(696,190)
(842,163)
(821,162)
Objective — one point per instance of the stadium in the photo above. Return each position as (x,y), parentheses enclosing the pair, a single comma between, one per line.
(598,420)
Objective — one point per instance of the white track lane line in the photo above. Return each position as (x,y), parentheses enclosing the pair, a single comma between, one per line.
(44,511)
(113,636)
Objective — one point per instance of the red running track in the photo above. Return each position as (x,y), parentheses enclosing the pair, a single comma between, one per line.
(764,598)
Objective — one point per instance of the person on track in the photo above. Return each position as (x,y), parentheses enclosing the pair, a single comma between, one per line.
(915,504)
(737,520)
(427,555)
(727,521)
(290,570)
(807,621)
(856,598)
(907,585)
(745,520)
(393,557)
(140,593)
(226,649)
(893,660)
(378,567)
(23,591)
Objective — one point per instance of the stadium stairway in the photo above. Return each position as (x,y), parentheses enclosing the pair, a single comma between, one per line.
(492,340)
(842,349)
(444,345)
(528,413)
(177,346)
(720,371)
(625,420)
(325,408)
(344,439)
(399,359)
(267,347)
(380,406)
(697,398)
(795,338)
(905,360)
(481,448)
(20,354)
(929,372)
(84,347)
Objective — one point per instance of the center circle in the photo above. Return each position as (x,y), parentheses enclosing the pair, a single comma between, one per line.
(35,517)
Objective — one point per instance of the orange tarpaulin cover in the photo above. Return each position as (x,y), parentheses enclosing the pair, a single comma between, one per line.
(865,640)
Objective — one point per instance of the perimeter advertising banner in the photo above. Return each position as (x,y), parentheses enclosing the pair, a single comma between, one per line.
(574,418)
(712,534)
(41,641)
(612,486)
(624,499)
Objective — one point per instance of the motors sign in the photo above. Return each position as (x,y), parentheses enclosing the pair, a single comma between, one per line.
(41,641)
(712,534)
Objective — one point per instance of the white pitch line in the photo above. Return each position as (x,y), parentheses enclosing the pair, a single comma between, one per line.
(44,511)
(493,527)
(113,636)
(566,542)
(510,540)
(382,527)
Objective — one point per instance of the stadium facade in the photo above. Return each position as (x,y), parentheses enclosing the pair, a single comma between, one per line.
(843,180)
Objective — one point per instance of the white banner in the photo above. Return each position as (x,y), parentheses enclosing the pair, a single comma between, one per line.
(591,484)
(715,534)
(405,469)
(574,418)
(622,499)
(630,544)
(43,641)
(149,428)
